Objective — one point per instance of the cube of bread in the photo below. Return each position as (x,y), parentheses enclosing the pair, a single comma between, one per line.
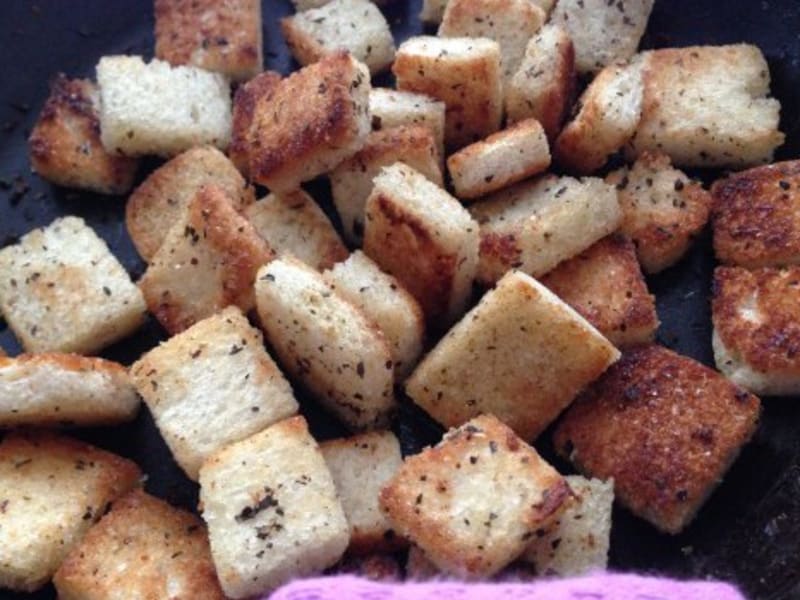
(379,566)
(245,100)
(208,261)
(605,285)
(327,343)
(293,223)
(161,199)
(521,354)
(708,106)
(212,385)
(52,489)
(313,120)
(536,224)
(432,11)
(62,290)
(360,466)
(65,145)
(155,108)
(143,548)
(665,427)
(64,389)
(464,73)
(473,502)
(271,508)
(423,236)
(216,36)
(503,158)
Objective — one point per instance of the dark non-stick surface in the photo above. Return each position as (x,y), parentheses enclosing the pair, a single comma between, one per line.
(748,532)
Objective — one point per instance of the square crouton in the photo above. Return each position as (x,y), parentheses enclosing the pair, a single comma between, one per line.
(211,385)
(521,354)
(503,158)
(271,508)
(327,343)
(474,501)
(213,35)
(65,145)
(535,225)
(64,389)
(605,285)
(208,261)
(62,290)
(293,223)
(708,106)
(662,210)
(52,489)
(360,466)
(464,73)
(145,547)
(423,236)
(665,427)
(312,121)
(155,108)
(161,200)
(245,100)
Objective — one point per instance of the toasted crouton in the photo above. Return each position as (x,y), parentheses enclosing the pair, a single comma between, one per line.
(604,284)
(327,343)
(245,100)
(65,145)
(665,427)
(52,489)
(271,508)
(143,548)
(62,290)
(423,236)
(503,158)
(64,389)
(379,566)
(521,354)
(535,225)
(154,108)
(160,201)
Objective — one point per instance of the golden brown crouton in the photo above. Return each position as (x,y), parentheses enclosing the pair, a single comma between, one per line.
(245,100)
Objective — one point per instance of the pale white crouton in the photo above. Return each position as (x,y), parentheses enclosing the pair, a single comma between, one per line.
(303,5)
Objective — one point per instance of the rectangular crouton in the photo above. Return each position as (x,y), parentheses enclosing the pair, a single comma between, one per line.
(521,354)
(52,489)
(271,508)
(304,5)
(155,108)
(327,343)
(245,100)
(665,427)
(375,567)
(61,290)
(143,548)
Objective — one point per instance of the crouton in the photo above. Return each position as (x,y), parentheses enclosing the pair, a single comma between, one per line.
(605,285)
(208,261)
(351,181)
(439,498)
(304,5)
(62,290)
(662,210)
(503,158)
(143,548)
(360,466)
(432,11)
(271,508)
(423,236)
(293,223)
(521,354)
(64,389)
(708,106)
(155,108)
(245,100)
(665,427)
(52,489)
(327,343)
(608,114)
(535,225)
(161,200)
(312,121)
(211,385)
(65,145)
(376,567)
(464,73)
(387,303)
